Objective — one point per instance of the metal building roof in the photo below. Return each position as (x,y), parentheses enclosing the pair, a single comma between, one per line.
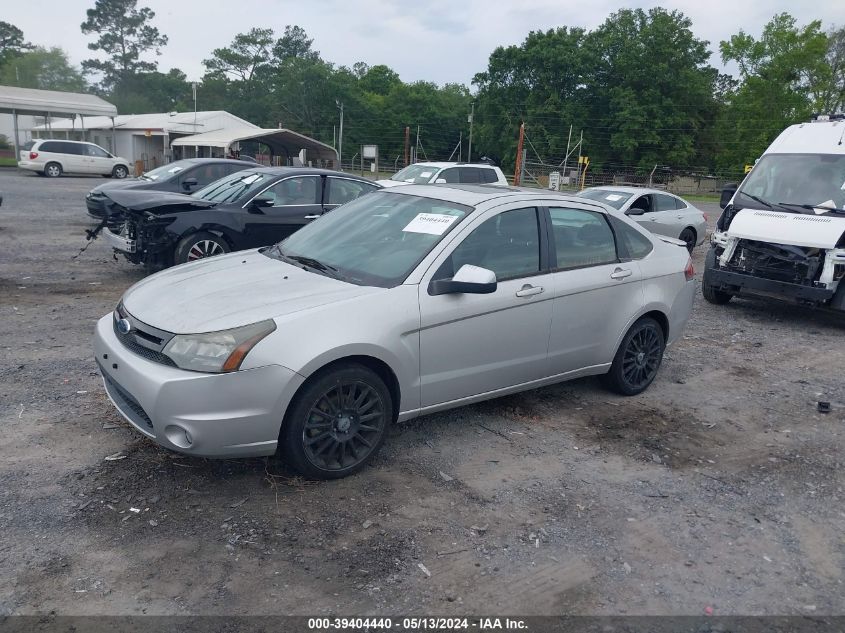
(40,102)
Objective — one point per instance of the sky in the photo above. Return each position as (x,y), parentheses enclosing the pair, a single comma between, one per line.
(434,40)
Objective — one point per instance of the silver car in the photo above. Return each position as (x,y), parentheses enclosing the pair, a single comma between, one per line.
(658,211)
(401,303)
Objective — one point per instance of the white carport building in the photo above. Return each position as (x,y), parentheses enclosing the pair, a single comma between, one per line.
(275,146)
(27,104)
(143,139)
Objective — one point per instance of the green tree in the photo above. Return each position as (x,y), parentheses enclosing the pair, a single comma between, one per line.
(248,55)
(124,35)
(45,69)
(12,42)
(153,92)
(784,77)
(295,43)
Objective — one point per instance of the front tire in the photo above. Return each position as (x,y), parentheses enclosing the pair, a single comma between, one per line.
(637,359)
(337,422)
(120,172)
(52,170)
(708,291)
(200,246)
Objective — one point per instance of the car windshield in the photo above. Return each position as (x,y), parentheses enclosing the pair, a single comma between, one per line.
(817,180)
(615,199)
(376,240)
(417,174)
(232,188)
(163,173)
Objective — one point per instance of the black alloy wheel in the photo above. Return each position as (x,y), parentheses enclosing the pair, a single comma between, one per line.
(637,359)
(337,423)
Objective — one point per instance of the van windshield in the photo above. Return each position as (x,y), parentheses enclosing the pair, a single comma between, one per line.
(817,180)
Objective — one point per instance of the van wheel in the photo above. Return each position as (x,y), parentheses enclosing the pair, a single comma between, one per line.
(199,246)
(337,422)
(708,291)
(52,170)
(637,359)
(120,171)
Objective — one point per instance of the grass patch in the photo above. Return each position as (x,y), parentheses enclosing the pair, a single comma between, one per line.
(8,162)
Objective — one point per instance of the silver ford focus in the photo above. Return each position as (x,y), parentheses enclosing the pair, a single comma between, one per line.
(401,303)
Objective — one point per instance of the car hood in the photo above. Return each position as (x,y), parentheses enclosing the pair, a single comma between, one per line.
(123,185)
(152,201)
(391,183)
(232,290)
(797,229)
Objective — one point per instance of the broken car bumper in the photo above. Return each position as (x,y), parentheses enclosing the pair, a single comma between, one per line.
(737,283)
(119,242)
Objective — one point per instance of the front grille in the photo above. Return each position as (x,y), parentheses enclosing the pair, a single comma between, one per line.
(131,407)
(143,340)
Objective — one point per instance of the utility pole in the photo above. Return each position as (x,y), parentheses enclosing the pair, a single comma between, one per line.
(194,90)
(417,145)
(340,137)
(517,171)
(407,145)
(471,117)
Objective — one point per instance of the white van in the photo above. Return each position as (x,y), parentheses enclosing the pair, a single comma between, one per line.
(56,157)
(782,231)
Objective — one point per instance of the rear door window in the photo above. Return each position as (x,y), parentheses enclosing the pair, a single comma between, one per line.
(452,175)
(488,176)
(470,174)
(662,202)
(582,238)
(342,190)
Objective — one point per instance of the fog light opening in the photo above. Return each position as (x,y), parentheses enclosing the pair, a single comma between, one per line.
(179,436)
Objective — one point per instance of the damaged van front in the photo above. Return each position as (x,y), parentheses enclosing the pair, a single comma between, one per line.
(782,232)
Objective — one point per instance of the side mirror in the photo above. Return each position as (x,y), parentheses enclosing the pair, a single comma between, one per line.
(728,192)
(635,211)
(440,181)
(258,202)
(468,280)
(189,183)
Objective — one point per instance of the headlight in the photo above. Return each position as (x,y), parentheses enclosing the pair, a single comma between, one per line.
(216,352)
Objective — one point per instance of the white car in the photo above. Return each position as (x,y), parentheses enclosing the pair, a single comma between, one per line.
(447,173)
(658,211)
(53,158)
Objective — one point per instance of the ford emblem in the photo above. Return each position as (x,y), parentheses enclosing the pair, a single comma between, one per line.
(124,326)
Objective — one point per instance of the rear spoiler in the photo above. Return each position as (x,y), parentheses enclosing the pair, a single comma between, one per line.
(670,240)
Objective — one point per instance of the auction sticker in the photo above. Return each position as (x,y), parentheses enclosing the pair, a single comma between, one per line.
(431,223)
(613,197)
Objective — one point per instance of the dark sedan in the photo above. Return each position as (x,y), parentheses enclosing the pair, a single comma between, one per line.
(182,176)
(251,208)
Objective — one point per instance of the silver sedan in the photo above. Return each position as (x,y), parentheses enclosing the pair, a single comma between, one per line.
(398,304)
(658,211)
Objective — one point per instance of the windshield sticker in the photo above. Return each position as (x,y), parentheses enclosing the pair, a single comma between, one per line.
(431,223)
(173,170)
(425,174)
(613,197)
(250,179)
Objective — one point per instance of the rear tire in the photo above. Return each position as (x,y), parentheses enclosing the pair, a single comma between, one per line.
(689,237)
(637,359)
(120,171)
(708,291)
(337,422)
(52,170)
(199,246)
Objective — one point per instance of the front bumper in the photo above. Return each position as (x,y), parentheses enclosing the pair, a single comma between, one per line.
(738,283)
(96,207)
(118,242)
(238,414)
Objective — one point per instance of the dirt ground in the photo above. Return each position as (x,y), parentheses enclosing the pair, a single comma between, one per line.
(720,487)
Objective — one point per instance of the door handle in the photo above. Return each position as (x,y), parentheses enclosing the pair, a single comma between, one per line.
(528,290)
(311,217)
(621,273)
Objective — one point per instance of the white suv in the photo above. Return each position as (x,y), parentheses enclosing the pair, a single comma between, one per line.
(440,173)
(54,157)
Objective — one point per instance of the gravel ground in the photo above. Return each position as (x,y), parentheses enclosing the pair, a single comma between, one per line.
(719,488)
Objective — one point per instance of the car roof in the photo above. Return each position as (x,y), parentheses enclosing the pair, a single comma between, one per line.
(304,171)
(629,189)
(63,140)
(473,195)
(214,161)
(442,164)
